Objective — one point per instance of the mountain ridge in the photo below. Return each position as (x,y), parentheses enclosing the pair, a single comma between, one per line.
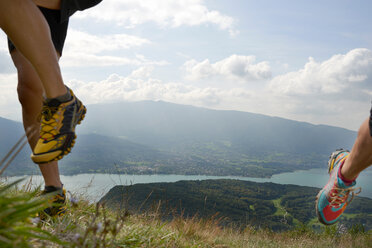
(180,122)
(189,140)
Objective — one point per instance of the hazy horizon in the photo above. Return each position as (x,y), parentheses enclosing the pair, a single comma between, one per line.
(161,101)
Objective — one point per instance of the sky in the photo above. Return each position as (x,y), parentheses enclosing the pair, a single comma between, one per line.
(303,60)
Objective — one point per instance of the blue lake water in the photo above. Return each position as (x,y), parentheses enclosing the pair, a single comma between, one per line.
(94,186)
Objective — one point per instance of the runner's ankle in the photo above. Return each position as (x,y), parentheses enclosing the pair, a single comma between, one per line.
(343,178)
(63,98)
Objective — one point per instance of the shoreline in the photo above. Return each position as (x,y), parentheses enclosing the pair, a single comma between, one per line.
(103,182)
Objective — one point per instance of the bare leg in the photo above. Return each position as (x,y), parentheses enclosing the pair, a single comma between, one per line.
(24,24)
(361,155)
(30,94)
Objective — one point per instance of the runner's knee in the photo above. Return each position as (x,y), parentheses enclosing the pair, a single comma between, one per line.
(29,93)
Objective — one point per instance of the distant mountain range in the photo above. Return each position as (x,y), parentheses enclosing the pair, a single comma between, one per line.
(176,127)
(158,137)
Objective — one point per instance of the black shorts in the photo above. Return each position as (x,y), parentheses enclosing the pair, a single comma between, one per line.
(58,29)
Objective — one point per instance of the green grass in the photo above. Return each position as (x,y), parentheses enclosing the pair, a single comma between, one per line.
(91,225)
(18,210)
(353,215)
(280,210)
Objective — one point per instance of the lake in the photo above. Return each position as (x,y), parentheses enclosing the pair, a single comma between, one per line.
(94,186)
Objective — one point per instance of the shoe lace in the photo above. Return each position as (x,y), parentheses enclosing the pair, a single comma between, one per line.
(341,195)
(55,197)
(48,123)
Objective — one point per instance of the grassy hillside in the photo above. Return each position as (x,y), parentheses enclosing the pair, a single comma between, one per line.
(263,205)
(89,225)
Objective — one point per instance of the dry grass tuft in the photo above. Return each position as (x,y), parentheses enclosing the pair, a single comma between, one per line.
(94,225)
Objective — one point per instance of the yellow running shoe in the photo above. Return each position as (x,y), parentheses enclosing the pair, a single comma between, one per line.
(57,131)
(56,200)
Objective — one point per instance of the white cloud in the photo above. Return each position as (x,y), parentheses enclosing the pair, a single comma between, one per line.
(6,64)
(8,85)
(322,92)
(368,92)
(139,85)
(165,13)
(350,71)
(142,72)
(85,60)
(82,42)
(335,75)
(316,106)
(3,42)
(83,49)
(9,105)
(234,67)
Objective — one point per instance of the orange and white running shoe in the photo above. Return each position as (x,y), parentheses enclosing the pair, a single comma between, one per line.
(336,195)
